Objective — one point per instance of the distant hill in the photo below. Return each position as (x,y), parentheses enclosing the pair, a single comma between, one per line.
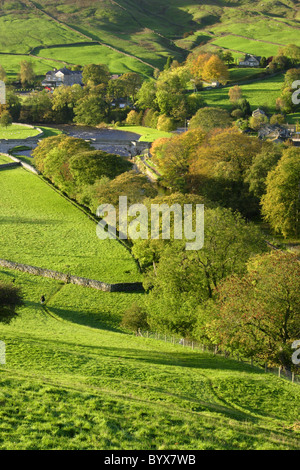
(140,34)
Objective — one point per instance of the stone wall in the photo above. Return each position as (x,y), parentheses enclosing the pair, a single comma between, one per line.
(69,279)
(6,166)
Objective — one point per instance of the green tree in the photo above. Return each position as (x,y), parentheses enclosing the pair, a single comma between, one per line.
(132,83)
(52,157)
(27,75)
(259,314)
(95,74)
(135,318)
(10,300)
(281,203)
(146,96)
(37,107)
(210,118)
(89,166)
(91,110)
(185,279)
(5,119)
(64,99)
(262,164)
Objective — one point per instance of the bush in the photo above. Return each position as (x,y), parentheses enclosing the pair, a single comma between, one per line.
(134,118)
(10,299)
(135,318)
(165,124)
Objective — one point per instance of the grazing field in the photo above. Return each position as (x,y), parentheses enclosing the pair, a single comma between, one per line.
(259,93)
(11,64)
(83,55)
(39,31)
(4,159)
(244,45)
(41,228)
(74,380)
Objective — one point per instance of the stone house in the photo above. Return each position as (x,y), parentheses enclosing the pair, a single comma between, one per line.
(64,76)
(250,60)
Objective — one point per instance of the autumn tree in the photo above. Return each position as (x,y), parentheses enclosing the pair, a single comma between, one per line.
(173,157)
(219,168)
(196,64)
(215,69)
(235,94)
(281,203)
(259,314)
(2,74)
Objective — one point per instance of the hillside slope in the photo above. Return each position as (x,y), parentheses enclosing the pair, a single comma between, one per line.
(74,379)
(143,32)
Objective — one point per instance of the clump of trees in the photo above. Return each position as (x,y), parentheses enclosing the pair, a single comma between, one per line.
(73,165)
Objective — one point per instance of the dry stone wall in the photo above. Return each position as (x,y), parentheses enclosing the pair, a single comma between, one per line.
(69,279)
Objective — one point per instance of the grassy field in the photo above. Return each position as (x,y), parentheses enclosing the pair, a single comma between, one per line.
(41,228)
(11,64)
(16,131)
(259,93)
(74,379)
(4,159)
(83,55)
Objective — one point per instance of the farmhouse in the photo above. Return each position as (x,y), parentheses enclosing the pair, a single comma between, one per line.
(64,76)
(250,60)
(258,112)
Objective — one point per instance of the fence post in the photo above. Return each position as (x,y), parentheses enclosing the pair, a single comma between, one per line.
(279,371)
(293,377)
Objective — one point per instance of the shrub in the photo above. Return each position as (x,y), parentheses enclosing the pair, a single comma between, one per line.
(135,318)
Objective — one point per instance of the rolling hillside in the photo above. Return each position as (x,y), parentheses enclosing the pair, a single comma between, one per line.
(140,35)
(74,379)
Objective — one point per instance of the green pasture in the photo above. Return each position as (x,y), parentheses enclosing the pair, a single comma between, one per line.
(74,380)
(41,228)
(11,64)
(16,131)
(4,159)
(21,34)
(255,28)
(259,93)
(242,45)
(83,55)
